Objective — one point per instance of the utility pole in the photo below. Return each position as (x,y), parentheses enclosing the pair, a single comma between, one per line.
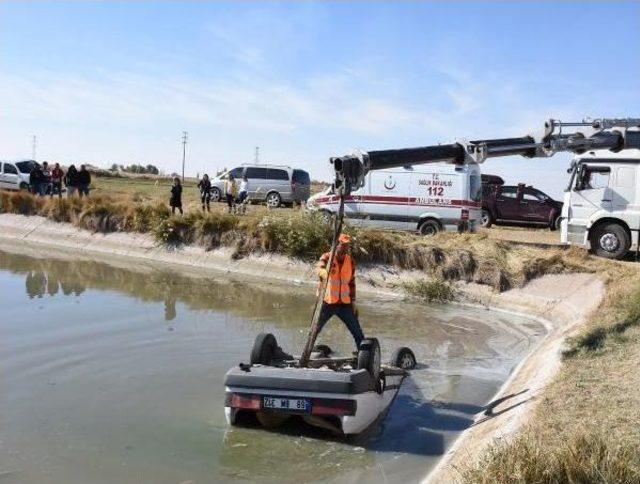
(184,151)
(33,147)
(257,160)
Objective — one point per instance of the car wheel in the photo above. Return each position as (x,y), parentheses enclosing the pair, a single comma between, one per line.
(556,223)
(429,228)
(486,219)
(264,349)
(369,357)
(215,195)
(326,216)
(274,200)
(324,350)
(610,241)
(403,358)
(24,186)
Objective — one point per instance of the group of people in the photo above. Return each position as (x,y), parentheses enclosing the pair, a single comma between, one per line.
(235,193)
(45,181)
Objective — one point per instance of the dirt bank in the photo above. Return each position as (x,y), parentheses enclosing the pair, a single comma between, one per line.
(560,301)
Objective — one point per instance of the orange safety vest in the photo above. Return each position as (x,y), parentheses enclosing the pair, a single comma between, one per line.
(338,285)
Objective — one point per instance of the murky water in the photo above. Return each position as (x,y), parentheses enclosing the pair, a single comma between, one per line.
(115,375)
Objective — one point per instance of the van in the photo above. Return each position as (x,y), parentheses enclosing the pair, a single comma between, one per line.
(601,208)
(423,198)
(15,175)
(273,184)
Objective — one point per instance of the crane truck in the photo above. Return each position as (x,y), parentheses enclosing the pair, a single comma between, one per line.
(601,210)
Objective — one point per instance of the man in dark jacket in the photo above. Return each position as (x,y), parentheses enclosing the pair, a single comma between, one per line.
(83,180)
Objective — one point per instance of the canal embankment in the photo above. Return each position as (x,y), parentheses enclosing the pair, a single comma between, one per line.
(561,301)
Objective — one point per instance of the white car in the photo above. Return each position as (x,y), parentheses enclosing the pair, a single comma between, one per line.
(426,198)
(15,175)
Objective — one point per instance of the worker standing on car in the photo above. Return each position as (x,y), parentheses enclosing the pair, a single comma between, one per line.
(340,296)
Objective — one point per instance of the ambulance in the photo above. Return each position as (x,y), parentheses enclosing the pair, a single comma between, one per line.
(423,198)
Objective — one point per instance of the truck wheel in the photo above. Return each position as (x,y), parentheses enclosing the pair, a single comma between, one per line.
(215,195)
(487,219)
(611,241)
(264,349)
(429,228)
(555,225)
(369,357)
(403,358)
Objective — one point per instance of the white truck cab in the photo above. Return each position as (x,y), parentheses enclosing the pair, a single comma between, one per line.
(423,198)
(601,208)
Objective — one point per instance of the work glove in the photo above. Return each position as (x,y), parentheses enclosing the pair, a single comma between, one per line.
(323,274)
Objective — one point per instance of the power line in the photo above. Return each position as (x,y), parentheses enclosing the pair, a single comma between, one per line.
(184,151)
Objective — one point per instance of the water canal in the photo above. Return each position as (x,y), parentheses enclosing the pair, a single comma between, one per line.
(113,373)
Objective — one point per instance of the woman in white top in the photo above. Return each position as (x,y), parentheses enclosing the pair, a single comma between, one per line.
(243,191)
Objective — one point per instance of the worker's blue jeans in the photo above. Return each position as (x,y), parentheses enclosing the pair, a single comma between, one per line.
(346,314)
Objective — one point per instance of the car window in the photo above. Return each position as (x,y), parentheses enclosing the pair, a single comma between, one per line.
(255,172)
(475,188)
(8,168)
(26,166)
(301,177)
(508,192)
(534,195)
(276,174)
(593,177)
(236,172)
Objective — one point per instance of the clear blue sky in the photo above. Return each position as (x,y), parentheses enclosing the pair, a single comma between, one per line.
(106,82)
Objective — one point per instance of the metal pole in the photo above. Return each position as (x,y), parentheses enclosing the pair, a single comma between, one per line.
(184,151)
(33,148)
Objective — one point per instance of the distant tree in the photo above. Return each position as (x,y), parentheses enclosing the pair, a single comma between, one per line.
(114,167)
(152,170)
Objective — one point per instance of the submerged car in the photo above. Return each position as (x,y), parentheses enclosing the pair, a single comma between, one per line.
(342,395)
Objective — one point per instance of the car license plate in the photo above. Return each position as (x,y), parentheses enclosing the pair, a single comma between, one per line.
(290,404)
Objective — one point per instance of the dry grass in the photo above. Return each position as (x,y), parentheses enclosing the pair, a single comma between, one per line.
(586,427)
(446,257)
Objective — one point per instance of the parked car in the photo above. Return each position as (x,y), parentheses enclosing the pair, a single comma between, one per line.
(15,175)
(273,184)
(427,199)
(517,205)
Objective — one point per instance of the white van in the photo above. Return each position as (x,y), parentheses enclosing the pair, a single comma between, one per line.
(601,208)
(15,175)
(427,198)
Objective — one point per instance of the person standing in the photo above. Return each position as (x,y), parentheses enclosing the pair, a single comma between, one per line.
(243,191)
(340,296)
(35,178)
(71,180)
(176,196)
(84,180)
(230,191)
(205,192)
(44,185)
(56,180)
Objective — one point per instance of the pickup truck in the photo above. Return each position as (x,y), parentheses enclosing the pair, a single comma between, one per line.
(517,205)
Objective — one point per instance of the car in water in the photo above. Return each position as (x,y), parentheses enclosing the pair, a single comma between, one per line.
(274,184)
(427,199)
(15,175)
(517,205)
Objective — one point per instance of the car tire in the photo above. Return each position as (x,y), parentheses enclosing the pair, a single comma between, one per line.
(369,357)
(216,196)
(610,240)
(486,219)
(324,350)
(274,200)
(264,349)
(24,186)
(429,228)
(403,358)
(555,225)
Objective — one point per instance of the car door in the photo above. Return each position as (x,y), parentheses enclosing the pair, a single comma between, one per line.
(507,204)
(278,180)
(257,178)
(591,192)
(387,203)
(534,207)
(9,177)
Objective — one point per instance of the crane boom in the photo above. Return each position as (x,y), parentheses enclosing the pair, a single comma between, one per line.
(612,134)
